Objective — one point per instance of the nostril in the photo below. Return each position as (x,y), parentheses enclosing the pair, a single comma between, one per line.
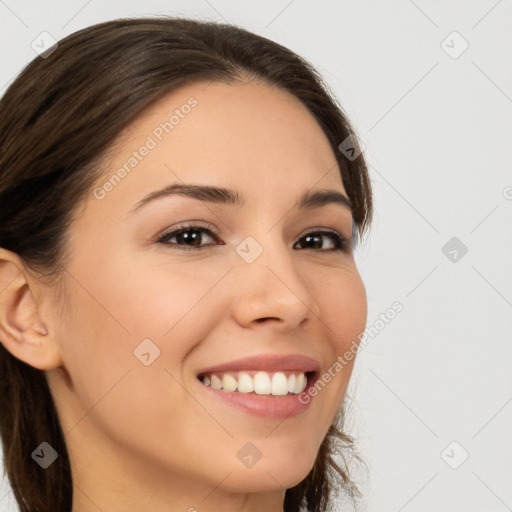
(259,320)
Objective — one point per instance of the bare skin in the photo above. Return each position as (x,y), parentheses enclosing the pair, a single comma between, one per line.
(149,437)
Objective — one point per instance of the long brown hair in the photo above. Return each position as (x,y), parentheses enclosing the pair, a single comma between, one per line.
(58,120)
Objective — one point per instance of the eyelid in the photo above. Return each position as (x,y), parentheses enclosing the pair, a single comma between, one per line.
(210,227)
(315,229)
(188,225)
(344,243)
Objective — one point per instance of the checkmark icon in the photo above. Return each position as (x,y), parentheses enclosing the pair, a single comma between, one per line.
(351,148)
(249,455)
(45,455)
(249,249)
(44,44)
(454,249)
(147,352)
(454,455)
(454,45)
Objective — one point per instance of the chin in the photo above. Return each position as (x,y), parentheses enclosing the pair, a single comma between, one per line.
(272,472)
(257,481)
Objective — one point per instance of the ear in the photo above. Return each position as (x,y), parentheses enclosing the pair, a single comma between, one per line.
(22,330)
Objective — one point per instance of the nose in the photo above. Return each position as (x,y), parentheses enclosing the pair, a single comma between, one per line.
(270,290)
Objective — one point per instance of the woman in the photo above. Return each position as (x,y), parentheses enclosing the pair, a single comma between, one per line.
(180,203)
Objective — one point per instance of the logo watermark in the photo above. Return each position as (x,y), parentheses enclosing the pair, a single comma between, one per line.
(344,359)
(152,141)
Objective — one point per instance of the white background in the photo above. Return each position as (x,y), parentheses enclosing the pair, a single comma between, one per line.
(438,136)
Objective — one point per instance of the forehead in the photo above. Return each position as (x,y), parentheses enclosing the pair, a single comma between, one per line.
(249,136)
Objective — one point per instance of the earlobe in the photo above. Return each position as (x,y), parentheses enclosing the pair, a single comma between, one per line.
(22,331)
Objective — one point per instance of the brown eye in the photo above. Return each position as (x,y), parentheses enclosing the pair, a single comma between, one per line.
(315,240)
(189,237)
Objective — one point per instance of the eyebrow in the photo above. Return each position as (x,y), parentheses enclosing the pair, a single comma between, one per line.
(218,195)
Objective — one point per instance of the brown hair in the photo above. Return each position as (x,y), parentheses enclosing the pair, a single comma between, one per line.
(59,119)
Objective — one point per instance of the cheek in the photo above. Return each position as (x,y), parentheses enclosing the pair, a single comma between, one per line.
(121,300)
(175,306)
(115,393)
(147,296)
(343,305)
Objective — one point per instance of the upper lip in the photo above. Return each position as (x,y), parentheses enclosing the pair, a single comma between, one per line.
(267,362)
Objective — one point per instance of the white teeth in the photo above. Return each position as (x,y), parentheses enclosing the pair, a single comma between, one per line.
(229,383)
(279,384)
(216,382)
(300,383)
(291,383)
(245,383)
(262,383)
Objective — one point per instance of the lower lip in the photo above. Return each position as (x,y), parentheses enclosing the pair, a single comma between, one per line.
(264,406)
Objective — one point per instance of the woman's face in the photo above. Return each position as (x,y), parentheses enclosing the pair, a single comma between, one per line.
(147,314)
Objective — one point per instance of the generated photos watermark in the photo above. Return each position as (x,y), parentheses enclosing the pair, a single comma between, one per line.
(157,135)
(344,359)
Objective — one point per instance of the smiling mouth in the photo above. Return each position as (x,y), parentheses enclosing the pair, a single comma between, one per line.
(258,382)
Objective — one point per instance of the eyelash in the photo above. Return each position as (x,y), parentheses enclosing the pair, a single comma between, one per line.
(341,243)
